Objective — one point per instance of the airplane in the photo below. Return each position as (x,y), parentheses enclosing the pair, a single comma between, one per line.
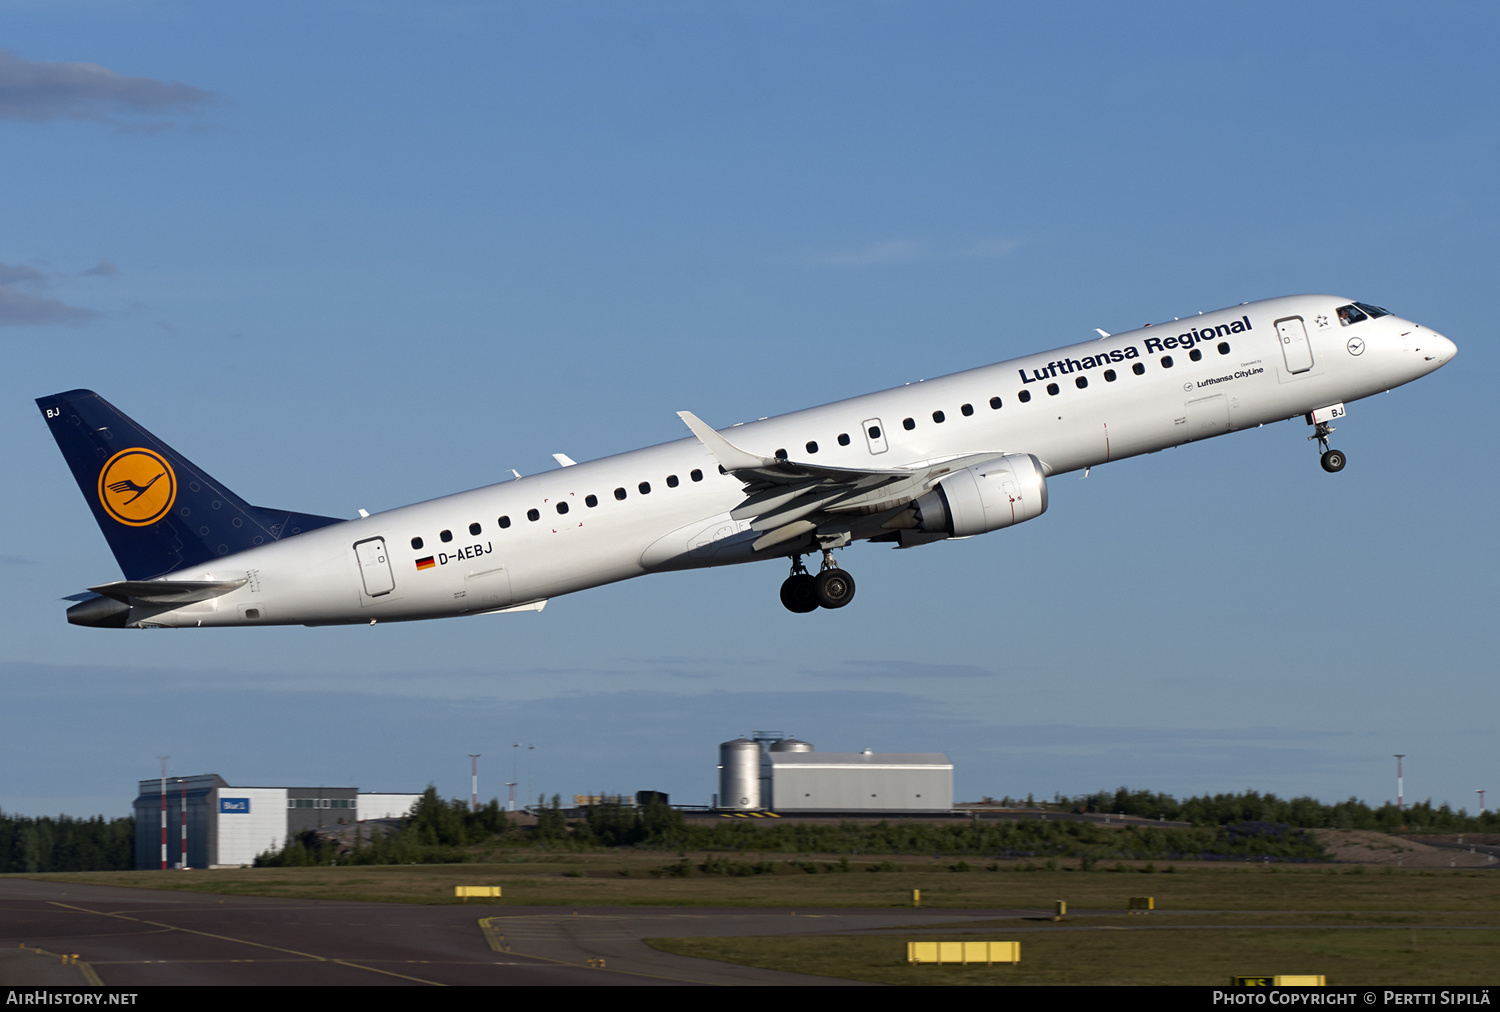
(945,458)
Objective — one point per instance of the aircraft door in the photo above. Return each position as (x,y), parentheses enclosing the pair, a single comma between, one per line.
(1294,347)
(875,435)
(375,567)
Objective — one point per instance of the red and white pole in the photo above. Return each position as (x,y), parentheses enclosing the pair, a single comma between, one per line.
(1400,784)
(163,759)
(474,781)
(184,863)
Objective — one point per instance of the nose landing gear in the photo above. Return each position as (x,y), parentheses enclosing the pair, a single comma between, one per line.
(1332,460)
(831,588)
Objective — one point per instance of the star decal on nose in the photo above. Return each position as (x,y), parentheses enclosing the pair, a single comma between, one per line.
(1322,320)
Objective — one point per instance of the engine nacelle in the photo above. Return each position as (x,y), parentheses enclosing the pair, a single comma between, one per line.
(984,498)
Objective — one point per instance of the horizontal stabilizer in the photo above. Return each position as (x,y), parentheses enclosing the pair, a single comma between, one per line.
(170,592)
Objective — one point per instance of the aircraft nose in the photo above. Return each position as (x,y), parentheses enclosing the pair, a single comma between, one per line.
(1439,349)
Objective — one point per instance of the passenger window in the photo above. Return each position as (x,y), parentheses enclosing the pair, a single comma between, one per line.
(619,493)
(672,481)
(1166,361)
(416,543)
(1024,396)
(1052,389)
(938,416)
(1081,382)
(474,529)
(780,454)
(843,439)
(874,432)
(1196,355)
(966,410)
(645,487)
(995,403)
(446,536)
(1223,347)
(812,446)
(533,514)
(591,501)
(504,522)
(1138,369)
(562,507)
(1109,375)
(908,423)
(695,474)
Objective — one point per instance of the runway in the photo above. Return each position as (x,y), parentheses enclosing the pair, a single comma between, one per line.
(140,937)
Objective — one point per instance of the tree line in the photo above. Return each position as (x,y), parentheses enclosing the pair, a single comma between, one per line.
(1225,827)
(1304,813)
(44,843)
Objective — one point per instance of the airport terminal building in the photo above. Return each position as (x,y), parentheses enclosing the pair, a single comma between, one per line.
(230,826)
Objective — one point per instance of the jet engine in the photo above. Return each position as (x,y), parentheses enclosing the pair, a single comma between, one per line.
(979,499)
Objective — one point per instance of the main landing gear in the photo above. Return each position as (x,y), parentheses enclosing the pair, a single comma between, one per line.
(1333,460)
(831,588)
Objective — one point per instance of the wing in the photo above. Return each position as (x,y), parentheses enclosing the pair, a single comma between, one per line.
(786,499)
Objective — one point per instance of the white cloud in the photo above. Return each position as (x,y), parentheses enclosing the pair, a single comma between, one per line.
(36,92)
(19,308)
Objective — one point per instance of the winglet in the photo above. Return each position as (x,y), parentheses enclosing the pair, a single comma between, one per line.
(564,460)
(725,452)
(1102,333)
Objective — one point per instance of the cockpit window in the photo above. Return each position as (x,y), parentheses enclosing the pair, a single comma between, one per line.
(1374,312)
(1351,314)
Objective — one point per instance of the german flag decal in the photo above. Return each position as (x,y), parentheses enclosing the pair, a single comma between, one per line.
(426,563)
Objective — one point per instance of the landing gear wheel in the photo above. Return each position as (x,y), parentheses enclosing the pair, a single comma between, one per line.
(1333,460)
(834,588)
(798,593)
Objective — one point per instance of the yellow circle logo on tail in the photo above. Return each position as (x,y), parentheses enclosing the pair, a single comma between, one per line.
(137,487)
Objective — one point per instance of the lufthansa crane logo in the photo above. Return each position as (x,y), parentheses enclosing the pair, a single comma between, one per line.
(137,487)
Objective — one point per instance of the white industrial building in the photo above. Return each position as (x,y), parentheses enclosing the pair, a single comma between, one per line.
(230,826)
(770,773)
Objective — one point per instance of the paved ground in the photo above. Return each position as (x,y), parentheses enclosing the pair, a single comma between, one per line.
(137,937)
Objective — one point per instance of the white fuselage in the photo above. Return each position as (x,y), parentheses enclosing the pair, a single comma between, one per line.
(683,522)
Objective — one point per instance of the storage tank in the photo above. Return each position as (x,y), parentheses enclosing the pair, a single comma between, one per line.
(739,775)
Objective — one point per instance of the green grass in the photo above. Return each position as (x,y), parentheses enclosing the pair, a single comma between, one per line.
(1119,955)
(626,878)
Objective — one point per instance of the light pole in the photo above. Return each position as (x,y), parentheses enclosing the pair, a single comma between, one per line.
(474,781)
(1400,785)
(1481,800)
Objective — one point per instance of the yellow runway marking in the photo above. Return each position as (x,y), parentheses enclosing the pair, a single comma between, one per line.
(243,941)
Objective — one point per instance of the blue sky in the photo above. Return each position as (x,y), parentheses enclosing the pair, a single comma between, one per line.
(354,255)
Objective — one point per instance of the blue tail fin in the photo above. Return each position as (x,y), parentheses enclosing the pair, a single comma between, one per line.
(158,511)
